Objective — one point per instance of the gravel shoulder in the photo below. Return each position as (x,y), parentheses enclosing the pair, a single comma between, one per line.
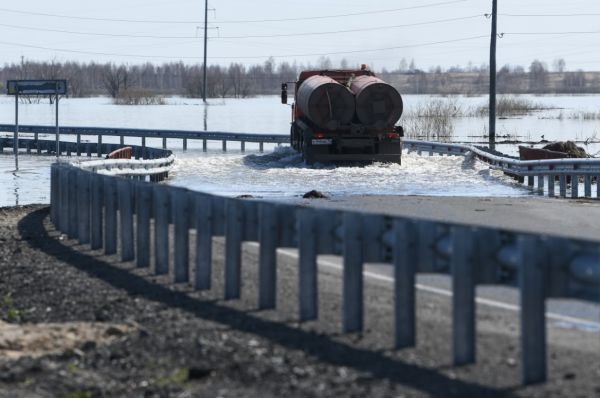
(184,343)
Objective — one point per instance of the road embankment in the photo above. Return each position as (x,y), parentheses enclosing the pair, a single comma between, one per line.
(181,342)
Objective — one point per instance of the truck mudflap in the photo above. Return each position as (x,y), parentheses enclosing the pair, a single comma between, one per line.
(386,152)
(353,157)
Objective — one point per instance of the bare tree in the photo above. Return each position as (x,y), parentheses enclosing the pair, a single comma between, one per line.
(117,79)
(538,76)
(559,65)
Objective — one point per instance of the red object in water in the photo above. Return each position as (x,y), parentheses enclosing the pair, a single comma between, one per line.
(121,153)
(526,153)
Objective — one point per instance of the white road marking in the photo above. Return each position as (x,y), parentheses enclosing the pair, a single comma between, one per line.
(443,292)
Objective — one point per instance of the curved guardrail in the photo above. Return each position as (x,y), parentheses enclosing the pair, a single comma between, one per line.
(147,162)
(130,167)
(101,210)
(540,173)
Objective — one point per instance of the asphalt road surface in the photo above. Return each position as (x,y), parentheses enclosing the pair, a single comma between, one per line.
(570,218)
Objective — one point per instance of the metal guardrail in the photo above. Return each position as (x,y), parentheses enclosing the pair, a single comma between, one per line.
(541,174)
(130,167)
(101,210)
(147,162)
(185,135)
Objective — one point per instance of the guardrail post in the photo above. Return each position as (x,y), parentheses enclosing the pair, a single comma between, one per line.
(185,144)
(587,185)
(125,194)
(541,184)
(83,184)
(530,181)
(99,147)
(143,210)
(54,194)
(161,229)
(405,259)
(96,210)
(143,143)
(73,227)
(142,221)
(224,145)
(598,187)
(551,185)
(233,252)
(353,269)
(63,192)
(261,146)
(78,144)
(562,185)
(181,213)
(110,215)
(203,241)
(122,140)
(267,289)
(204,145)
(164,143)
(243,146)
(463,296)
(427,238)
(574,186)
(533,310)
(307,264)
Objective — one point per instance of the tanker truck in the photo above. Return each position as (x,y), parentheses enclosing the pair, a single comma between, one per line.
(343,116)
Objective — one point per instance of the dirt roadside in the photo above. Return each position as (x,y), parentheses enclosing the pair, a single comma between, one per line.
(193,344)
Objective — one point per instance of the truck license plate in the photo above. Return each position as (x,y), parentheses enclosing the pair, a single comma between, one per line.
(323,141)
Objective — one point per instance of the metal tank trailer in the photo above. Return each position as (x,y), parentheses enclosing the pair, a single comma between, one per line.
(345,116)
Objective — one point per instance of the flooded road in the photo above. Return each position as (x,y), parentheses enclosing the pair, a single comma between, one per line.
(279,172)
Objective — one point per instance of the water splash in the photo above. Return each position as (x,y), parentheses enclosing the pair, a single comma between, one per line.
(283,173)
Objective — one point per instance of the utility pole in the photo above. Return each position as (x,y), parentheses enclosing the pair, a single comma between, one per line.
(492,111)
(205,42)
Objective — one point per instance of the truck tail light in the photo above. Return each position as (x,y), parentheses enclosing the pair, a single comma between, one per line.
(393,136)
(319,134)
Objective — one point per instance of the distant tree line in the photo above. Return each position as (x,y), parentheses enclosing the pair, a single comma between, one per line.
(538,78)
(239,81)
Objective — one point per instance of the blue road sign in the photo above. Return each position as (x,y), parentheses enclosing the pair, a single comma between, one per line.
(36,87)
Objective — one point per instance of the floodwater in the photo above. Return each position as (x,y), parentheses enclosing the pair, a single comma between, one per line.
(279,172)
(282,173)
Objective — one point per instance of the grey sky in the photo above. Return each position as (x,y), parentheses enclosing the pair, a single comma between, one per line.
(460,25)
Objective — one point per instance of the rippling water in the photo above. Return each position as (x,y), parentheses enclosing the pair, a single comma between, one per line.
(31,184)
(282,173)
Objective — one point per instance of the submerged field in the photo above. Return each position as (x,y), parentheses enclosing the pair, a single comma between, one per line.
(526,118)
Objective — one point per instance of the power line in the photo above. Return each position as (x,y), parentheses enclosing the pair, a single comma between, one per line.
(352,30)
(238,37)
(552,15)
(590,32)
(72,32)
(162,21)
(342,15)
(242,57)
(42,14)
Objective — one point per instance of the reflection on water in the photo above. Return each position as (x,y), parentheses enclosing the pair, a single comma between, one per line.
(205,117)
(31,184)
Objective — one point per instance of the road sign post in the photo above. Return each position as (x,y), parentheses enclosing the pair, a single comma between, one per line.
(35,87)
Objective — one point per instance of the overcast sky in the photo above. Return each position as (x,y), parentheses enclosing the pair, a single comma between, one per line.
(379,32)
